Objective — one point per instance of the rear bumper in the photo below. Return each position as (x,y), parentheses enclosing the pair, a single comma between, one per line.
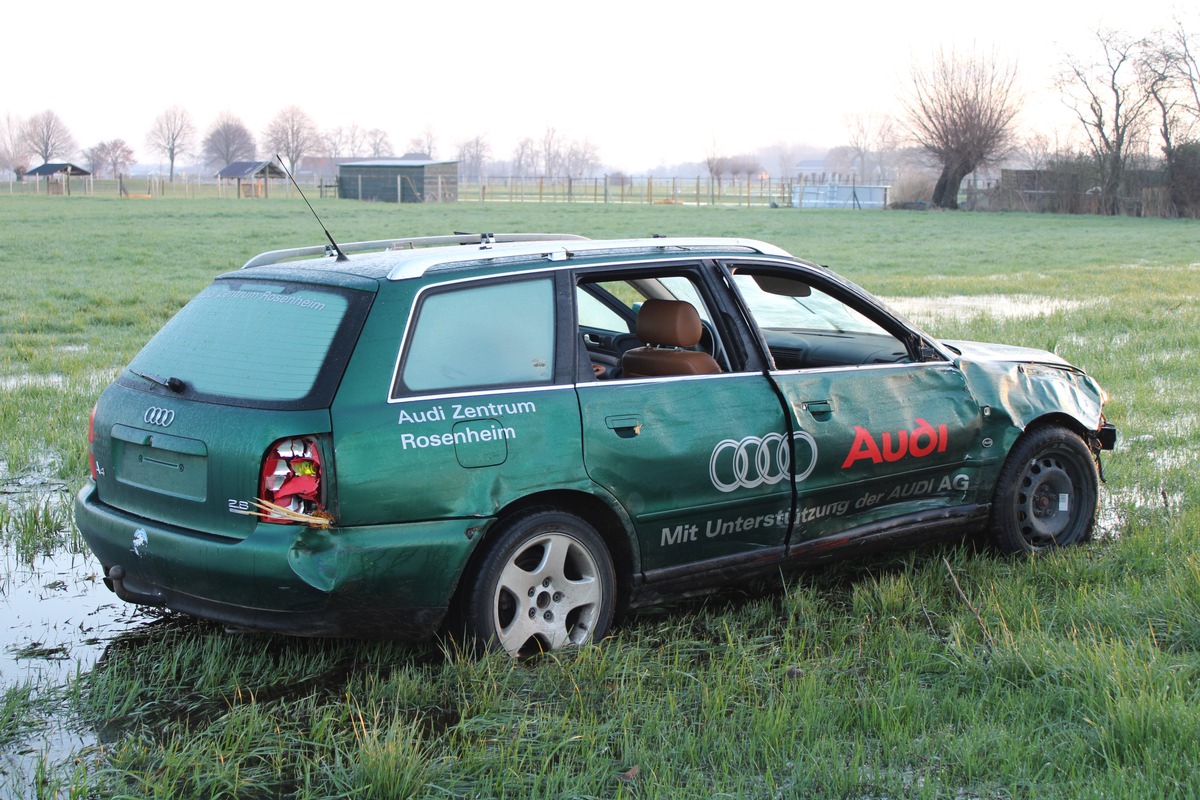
(392,581)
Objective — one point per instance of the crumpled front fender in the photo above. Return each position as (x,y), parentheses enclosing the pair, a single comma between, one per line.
(1022,385)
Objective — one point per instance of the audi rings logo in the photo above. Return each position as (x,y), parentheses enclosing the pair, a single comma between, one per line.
(760,460)
(162,417)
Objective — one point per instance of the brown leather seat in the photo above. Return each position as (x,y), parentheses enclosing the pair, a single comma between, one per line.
(667,326)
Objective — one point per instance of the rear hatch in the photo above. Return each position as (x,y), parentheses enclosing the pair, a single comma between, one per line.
(250,362)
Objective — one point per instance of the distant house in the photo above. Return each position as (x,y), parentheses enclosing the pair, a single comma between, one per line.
(812,170)
(413,178)
(251,176)
(58,176)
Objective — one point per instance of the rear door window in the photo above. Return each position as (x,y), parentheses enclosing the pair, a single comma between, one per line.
(480,336)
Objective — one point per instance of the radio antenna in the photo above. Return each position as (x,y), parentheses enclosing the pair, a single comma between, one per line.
(340,255)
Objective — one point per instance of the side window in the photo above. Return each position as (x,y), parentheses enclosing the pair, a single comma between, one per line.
(608,312)
(477,336)
(594,314)
(806,327)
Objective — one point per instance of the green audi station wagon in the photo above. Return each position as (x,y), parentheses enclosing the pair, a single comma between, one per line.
(517,437)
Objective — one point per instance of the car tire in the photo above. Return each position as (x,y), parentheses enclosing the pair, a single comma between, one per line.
(546,582)
(1047,493)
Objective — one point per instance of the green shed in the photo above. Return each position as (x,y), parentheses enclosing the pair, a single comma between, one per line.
(414,178)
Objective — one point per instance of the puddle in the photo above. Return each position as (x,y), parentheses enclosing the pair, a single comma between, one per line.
(9,383)
(93,381)
(1000,306)
(1116,506)
(58,616)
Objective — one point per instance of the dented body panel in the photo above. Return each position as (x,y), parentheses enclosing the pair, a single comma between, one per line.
(1020,385)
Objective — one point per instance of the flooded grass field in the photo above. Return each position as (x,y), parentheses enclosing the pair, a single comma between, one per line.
(938,673)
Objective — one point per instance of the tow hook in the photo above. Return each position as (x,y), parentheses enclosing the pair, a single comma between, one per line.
(116,577)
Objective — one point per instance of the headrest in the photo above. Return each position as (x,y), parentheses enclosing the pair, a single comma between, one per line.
(673,323)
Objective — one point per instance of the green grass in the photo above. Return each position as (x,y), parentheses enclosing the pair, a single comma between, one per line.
(1074,675)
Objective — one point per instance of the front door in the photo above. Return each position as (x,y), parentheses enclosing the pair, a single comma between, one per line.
(892,435)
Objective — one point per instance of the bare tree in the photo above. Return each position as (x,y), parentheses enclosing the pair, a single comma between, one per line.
(551,153)
(334,142)
(14,152)
(425,143)
(1112,105)
(873,139)
(46,136)
(227,141)
(356,140)
(291,134)
(113,157)
(1169,73)
(1036,151)
(473,156)
(717,165)
(961,111)
(172,135)
(525,158)
(378,144)
(581,158)
(119,157)
(1156,69)
(786,158)
(96,159)
(1187,68)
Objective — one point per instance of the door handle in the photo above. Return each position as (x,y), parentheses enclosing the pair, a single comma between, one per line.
(626,426)
(819,409)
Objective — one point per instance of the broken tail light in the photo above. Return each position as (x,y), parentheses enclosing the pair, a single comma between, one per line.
(291,482)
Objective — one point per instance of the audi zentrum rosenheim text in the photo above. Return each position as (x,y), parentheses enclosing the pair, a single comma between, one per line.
(528,434)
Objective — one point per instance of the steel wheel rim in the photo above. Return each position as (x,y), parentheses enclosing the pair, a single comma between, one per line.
(1048,499)
(548,595)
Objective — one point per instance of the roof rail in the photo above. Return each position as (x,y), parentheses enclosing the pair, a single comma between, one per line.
(419,264)
(411,243)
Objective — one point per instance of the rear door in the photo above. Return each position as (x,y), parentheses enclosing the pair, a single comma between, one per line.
(457,402)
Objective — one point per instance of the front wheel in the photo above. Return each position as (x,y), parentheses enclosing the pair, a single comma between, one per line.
(1047,493)
(547,582)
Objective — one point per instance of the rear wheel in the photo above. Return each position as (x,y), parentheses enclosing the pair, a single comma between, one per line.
(1047,493)
(547,582)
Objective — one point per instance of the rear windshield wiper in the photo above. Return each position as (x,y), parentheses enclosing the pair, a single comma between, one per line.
(172,383)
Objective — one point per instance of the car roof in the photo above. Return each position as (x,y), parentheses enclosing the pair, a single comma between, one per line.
(400,259)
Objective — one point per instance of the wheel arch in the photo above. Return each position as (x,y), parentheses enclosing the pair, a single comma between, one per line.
(607,521)
(1062,419)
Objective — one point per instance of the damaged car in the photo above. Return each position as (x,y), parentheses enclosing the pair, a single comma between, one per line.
(515,438)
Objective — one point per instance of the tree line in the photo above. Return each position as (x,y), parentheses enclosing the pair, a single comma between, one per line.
(291,133)
(1130,96)
(1135,99)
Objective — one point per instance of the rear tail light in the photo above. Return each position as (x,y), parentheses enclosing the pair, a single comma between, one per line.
(291,485)
(92,443)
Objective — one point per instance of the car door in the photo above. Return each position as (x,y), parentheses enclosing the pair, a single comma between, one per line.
(699,463)
(891,423)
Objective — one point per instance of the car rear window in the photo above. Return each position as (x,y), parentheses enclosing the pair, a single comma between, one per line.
(260,343)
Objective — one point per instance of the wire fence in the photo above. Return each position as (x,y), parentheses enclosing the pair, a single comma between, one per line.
(700,190)
(759,191)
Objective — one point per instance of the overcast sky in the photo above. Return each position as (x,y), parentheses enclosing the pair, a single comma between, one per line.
(649,82)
